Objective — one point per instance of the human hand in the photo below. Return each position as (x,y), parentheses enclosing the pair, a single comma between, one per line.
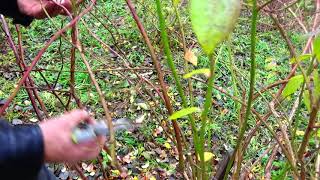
(34,8)
(58,145)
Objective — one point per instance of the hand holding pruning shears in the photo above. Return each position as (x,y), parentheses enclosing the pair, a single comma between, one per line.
(75,136)
(58,144)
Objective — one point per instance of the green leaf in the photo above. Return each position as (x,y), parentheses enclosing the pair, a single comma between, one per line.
(306,100)
(302,57)
(316,82)
(293,85)
(316,47)
(184,112)
(213,21)
(197,71)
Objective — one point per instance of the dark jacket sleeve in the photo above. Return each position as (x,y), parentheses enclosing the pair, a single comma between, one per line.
(10,8)
(21,150)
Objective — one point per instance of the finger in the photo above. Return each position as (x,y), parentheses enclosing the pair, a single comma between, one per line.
(54,8)
(37,11)
(76,116)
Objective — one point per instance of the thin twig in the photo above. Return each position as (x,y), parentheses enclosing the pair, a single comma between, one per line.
(268,167)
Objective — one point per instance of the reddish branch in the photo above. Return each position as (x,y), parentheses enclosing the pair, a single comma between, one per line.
(161,81)
(94,71)
(31,82)
(268,167)
(74,38)
(284,36)
(248,169)
(314,27)
(19,60)
(309,130)
(256,95)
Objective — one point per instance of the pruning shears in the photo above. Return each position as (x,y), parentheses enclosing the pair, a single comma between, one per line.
(88,132)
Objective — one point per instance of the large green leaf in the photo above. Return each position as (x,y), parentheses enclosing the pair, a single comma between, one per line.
(184,112)
(316,48)
(293,85)
(213,21)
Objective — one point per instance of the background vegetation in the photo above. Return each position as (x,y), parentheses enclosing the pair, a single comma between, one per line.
(108,50)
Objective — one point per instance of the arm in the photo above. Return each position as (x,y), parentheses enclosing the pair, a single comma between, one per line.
(10,8)
(21,149)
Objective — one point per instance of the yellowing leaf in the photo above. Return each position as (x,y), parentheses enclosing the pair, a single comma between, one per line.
(184,112)
(293,85)
(152,178)
(300,133)
(167,145)
(191,58)
(207,156)
(206,72)
(115,172)
(213,21)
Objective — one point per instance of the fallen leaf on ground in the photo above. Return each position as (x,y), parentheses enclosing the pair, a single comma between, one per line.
(33,120)
(191,57)
(145,166)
